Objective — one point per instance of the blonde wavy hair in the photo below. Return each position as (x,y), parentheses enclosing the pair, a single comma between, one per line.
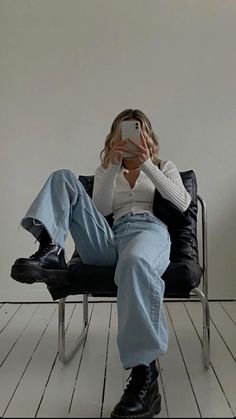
(153,143)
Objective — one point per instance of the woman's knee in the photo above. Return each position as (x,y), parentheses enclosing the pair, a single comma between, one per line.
(65,173)
(64,176)
(136,269)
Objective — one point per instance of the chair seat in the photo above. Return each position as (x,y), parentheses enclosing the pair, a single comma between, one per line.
(180,278)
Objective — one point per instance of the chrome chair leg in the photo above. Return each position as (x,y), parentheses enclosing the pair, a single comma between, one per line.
(206,325)
(63,356)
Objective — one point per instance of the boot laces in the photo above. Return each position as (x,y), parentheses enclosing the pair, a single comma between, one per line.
(43,251)
(138,382)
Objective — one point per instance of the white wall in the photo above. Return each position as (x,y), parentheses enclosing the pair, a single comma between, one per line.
(67,68)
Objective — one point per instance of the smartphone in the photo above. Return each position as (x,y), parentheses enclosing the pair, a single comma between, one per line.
(130,129)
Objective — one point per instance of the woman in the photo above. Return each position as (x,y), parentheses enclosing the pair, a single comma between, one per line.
(138,244)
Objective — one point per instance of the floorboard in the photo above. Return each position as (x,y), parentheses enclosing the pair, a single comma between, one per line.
(34,383)
(222,361)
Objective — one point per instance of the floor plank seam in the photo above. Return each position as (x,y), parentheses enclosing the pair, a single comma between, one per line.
(10,318)
(213,369)
(53,365)
(163,387)
(80,361)
(106,359)
(19,336)
(226,398)
(29,361)
(227,346)
(190,318)
(185,365)
(227,313)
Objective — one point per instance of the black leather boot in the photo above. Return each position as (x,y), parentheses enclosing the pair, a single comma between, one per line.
(141,398)
(47,265)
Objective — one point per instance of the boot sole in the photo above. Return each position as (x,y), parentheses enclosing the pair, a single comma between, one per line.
(154,410)
(29,275)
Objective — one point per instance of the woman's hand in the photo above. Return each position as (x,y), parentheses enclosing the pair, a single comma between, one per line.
(141,151)
(117,151)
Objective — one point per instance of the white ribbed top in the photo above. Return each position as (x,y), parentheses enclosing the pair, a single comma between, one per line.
(112,192)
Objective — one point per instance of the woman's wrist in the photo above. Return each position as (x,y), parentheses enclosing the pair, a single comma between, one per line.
(147,163)
(113,168)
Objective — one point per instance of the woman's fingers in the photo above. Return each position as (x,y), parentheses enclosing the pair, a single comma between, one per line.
(140,151)
(143,139)
(137,146)
(117,136)
(119,149)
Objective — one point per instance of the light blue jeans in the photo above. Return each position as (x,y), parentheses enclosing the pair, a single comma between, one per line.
(137,244)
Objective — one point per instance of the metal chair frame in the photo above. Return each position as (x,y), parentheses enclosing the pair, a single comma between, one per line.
(196,292)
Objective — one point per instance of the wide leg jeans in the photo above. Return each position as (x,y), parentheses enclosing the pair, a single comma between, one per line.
(137,244)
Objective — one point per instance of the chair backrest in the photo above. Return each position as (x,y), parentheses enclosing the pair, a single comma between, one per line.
(182,226)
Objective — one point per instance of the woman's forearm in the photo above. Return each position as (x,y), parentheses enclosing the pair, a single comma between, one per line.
(168,183)
(104,186)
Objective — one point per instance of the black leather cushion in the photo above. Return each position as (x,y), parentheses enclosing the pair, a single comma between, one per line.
(184,271)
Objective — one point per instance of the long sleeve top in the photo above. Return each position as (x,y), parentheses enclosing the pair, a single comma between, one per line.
(112,192)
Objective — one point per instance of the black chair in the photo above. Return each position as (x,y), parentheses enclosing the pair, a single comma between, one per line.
(182,277)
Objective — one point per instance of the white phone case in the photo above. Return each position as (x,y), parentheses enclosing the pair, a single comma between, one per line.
(130,129)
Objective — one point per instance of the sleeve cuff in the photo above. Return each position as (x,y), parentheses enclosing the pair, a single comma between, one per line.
(149,167)
(113,168)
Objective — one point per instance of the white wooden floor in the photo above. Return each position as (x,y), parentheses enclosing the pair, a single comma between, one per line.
(33,382)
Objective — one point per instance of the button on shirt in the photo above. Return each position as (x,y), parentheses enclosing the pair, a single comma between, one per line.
(137,199)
